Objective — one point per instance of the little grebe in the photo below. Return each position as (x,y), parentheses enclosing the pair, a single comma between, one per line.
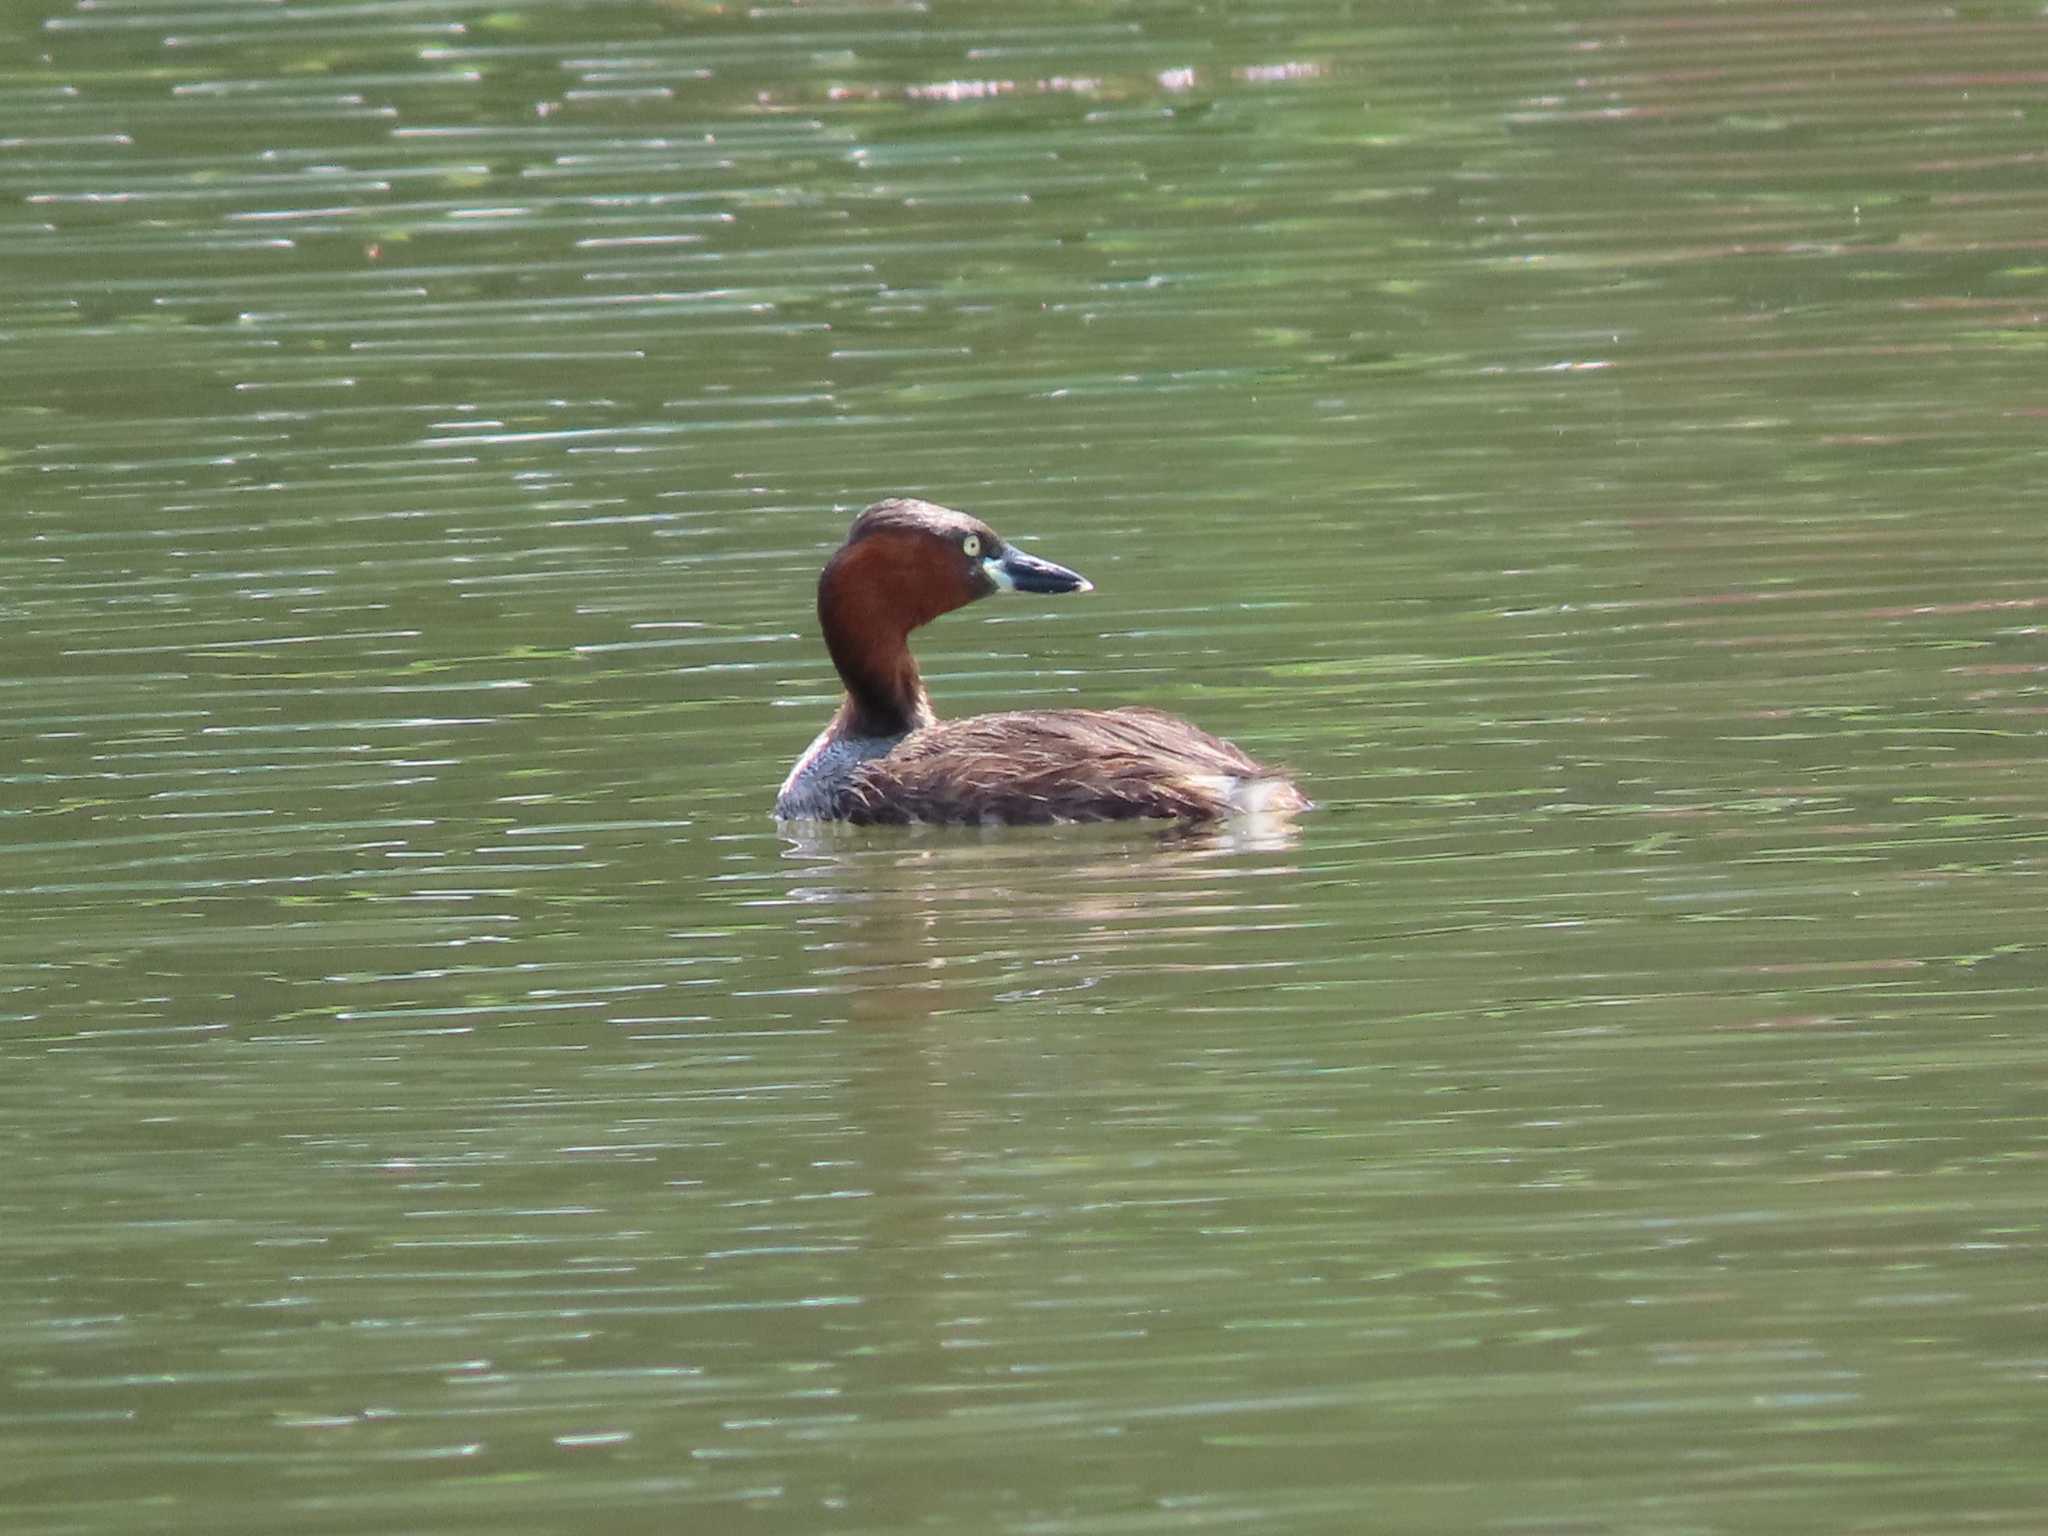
(886,757)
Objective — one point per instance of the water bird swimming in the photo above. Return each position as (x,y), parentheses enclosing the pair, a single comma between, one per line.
(886,757)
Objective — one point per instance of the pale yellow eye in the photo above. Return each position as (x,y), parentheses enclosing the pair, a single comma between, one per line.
(972,545)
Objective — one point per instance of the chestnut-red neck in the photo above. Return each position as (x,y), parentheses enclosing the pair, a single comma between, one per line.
(872,594)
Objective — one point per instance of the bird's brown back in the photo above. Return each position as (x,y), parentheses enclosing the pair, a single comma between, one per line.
(1061,765)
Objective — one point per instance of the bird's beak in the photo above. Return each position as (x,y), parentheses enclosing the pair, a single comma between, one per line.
(1015,571)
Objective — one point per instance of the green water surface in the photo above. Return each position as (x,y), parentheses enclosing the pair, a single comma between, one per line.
(1598,447)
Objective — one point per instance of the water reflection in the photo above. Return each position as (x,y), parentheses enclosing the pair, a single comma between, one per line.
(893,916)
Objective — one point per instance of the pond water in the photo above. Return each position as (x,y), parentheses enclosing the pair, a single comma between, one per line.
(1597,447)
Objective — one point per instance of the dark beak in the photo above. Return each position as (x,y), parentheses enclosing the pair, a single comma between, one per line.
(1019,572)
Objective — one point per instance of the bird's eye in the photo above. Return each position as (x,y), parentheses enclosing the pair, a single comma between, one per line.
(971,545)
